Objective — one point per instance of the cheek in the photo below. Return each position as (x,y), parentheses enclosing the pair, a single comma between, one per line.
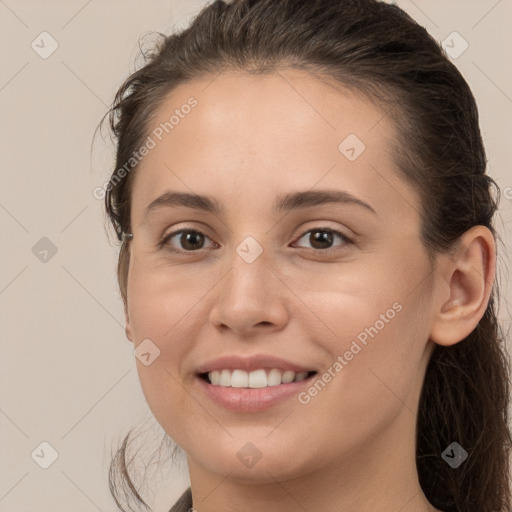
(376,326)
(162,303)
(164,310)
(379,331)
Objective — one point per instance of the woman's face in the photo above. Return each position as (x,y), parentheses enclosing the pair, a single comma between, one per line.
(265,277)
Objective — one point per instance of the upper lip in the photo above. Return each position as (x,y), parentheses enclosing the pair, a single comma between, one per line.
(236,362)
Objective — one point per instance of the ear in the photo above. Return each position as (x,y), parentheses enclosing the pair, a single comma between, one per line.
(122,274)
(466,282)
(127,329)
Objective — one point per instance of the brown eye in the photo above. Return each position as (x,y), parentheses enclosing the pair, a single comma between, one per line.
(322,238)
(189,240)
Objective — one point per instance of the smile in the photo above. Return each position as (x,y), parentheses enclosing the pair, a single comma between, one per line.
(260,378)
(252,392)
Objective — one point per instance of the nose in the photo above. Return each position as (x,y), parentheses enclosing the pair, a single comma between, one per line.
(251,298)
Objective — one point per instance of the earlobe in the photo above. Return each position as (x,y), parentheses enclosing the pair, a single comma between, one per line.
(467,278)
(128,332)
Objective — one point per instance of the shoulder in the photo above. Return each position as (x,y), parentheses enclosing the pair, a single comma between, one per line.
(184,503)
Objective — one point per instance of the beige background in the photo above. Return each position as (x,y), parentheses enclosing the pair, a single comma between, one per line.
(67,373)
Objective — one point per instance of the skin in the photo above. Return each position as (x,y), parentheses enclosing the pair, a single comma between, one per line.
(249,139)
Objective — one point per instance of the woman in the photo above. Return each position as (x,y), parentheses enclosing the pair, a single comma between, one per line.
(308,263)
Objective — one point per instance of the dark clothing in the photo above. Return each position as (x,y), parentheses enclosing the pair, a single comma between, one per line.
(184,503)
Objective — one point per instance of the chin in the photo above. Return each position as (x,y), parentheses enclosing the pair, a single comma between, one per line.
(258,462)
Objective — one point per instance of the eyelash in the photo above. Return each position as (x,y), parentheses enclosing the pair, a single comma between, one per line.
(163,241)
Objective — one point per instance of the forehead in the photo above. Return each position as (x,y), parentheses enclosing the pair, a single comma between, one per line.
(248,135)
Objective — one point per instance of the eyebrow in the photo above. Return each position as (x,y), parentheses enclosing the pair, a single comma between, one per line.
(283,203)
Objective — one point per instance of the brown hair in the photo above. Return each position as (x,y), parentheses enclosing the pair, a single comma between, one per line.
(376,49)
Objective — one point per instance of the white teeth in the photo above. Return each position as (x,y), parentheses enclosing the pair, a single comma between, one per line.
(274,377)
(239,379)
(257,379)
(225,378)
(254,379)
(287,377)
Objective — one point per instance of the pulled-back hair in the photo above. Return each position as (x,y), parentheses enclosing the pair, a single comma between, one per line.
(377,50)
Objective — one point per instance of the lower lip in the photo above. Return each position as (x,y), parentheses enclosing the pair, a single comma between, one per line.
(252,399)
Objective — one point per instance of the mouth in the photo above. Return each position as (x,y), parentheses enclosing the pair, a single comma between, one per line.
(256,379)
(252,392)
